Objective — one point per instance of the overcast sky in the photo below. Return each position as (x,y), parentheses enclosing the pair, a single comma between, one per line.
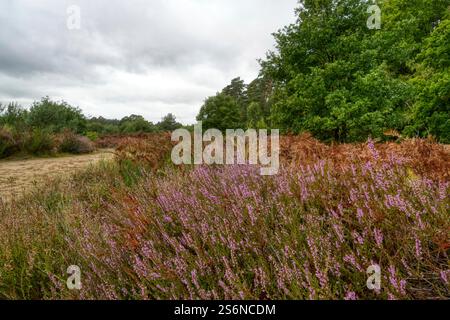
(147,57)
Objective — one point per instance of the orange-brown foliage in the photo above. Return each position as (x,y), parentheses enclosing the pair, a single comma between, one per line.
(423,156)
(149,150)
(114,140)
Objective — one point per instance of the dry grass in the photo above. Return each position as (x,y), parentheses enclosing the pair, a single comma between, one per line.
(17,176)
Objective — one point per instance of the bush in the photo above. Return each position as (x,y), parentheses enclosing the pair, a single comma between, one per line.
(56,116)
(72,143)
(38,141)
(92,135)
(8,144)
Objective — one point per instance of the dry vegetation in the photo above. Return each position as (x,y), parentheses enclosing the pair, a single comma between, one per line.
(424,156)
(17,176)
(141,228)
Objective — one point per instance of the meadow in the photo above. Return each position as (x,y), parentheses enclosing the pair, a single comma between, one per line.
(140,227)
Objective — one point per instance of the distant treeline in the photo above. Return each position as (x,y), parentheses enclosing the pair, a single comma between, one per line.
(55,117)
(50,127)
(334,76)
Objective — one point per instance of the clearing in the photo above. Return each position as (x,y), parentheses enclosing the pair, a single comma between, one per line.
(16,176)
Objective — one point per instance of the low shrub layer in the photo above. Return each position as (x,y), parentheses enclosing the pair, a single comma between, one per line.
(227,232)
(40,142)
(8,144)
(70,142)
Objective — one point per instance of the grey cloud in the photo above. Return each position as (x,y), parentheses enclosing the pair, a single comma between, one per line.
(137,56)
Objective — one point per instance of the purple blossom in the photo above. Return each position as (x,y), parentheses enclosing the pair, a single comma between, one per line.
(378,237)
(350,295)
(418,248)
(444,276)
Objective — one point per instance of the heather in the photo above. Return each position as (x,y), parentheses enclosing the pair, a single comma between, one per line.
(141,228)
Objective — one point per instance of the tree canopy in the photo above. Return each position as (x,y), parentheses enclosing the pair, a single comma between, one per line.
(55,117)
(335,77)
(220,112)
(168,123)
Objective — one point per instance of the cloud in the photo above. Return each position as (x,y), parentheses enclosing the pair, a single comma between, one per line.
(145,57)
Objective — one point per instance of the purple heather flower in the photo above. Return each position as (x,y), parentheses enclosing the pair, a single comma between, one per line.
(418,248)
(444,276)
(351,296)
(378,237)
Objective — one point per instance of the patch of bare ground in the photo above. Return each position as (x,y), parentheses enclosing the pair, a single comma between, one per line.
(17,176)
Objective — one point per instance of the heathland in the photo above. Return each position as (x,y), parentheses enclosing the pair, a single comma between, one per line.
(364,178)
(140,228)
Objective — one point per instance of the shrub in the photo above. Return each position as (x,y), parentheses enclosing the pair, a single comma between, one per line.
(309,233)
(72,143)
(38,141)
(93,136)
(226,232)
(8,144)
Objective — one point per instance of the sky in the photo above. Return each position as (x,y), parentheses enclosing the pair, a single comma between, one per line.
(147,57)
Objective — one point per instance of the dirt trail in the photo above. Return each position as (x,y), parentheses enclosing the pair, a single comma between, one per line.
(18,175)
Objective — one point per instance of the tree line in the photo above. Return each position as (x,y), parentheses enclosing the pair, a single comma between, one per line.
(57,116)
(50,127)
(333,76)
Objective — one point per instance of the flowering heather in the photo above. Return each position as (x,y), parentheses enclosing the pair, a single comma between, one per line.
(226,232)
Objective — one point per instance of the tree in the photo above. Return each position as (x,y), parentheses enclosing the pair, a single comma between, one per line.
(136,123)
(259,95)
(237,90)
(341,81)
(56,116)
(103,126)
(169,123)
(431,111)
(13,115)
(220,112)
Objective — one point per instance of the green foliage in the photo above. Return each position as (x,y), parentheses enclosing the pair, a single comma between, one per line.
(38,141)
(34,131)
(431,111)
(168,123)
(333,76)
(239,105)
(56,116)
(92,135)
(8,144)
(13,115)
(131,124)
(259,91)
(237,90)
(220,112)
(254,114)
(135,123)
(103,126)
(341,81)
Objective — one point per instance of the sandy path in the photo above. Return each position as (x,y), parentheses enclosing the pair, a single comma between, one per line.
(18,175)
